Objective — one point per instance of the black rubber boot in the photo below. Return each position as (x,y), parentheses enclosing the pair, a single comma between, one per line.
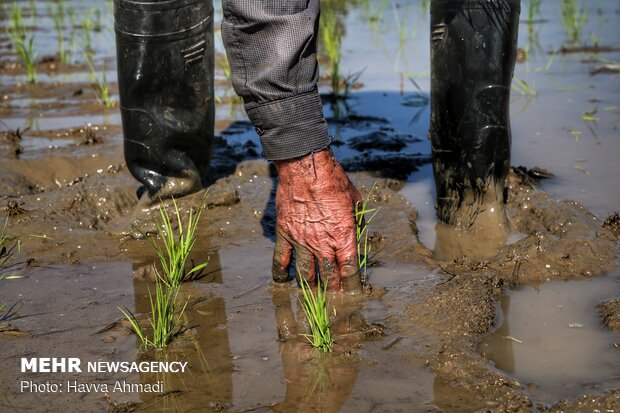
(473,47)
(165,78)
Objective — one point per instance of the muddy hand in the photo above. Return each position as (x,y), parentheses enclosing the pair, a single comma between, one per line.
(315,217)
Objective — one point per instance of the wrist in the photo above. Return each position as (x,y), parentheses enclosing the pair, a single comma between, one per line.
(308,168)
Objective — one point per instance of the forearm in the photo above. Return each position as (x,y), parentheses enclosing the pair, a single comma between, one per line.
(271,48)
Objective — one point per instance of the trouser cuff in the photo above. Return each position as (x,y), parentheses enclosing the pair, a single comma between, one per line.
(290,127)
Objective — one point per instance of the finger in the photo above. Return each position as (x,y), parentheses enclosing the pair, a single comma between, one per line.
(348,266)
(355,195)
(281,258)
(350,276)
(285,319)
(304,264)
(328,269)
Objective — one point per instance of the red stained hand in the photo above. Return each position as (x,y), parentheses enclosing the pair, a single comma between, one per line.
(315,217)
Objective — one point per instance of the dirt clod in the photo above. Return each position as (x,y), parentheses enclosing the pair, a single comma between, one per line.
(610,311)
(612,223)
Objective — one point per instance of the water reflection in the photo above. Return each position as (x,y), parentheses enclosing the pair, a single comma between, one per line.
(315,382)
(205,346)
(552,336)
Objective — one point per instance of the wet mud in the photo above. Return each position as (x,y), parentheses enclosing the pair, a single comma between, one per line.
(610,311)
(421,320)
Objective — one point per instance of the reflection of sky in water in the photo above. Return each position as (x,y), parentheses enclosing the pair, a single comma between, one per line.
(552,336)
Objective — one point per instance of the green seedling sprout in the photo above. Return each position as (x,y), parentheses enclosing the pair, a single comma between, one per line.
(332,32)
(174,253)
(315,309)
(58,17)
(101,87)
(418,98)
(23,43)
(8,247)
(588,115)
(533,10)
(523,88)
(548,64)
(361,232)
(574,18)
(86,29)
(164,319)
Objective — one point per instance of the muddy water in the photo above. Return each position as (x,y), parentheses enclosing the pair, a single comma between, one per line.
(235,359)
(551,336)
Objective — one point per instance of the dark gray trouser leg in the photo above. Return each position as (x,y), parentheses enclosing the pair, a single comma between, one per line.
(165,76)
(473,46)
(271,48)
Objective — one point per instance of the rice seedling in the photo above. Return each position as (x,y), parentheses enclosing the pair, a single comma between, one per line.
(574,18)
(101,87)
(315,309)
(23,43)
(8,247)
(523,88)
(174,253)
(549,63)
(588,115)
(418,98)
(595,41)
(575,134)
(332,32)
(165,319)
(57,15)
(11,311)
(33,7)
(361,233)
(533,10)
(86,28)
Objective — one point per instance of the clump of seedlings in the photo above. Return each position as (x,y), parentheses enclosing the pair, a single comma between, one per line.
(23,43)
(361,232)
(177,245)
(166,312)
(314,305)
(332,32)
(164,319)
(101,87)
(574,18)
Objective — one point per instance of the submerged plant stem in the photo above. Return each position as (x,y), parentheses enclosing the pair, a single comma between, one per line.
(315,309)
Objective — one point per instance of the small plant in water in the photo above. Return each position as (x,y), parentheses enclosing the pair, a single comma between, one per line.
(332,32)
(574,18)
(23,43)
(523,88)
(533,10)
(86,29)
(164,319)
(314,305)
(58,17)
(176,248)
(361,233)
(8,247)
(101,87)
